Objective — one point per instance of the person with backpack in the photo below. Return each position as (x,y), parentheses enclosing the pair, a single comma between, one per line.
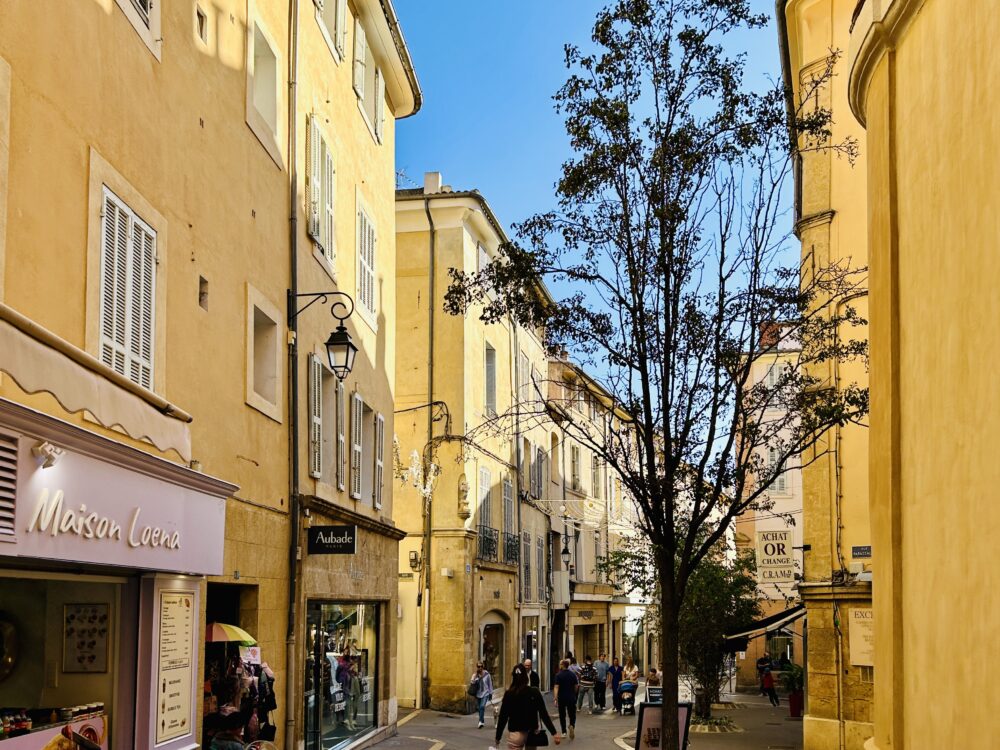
(481,688)
(564,692)
(588,677)
(522,712)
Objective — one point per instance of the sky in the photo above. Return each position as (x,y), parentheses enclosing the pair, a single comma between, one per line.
(488,71)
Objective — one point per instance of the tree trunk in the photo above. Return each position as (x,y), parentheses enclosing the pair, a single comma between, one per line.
(669,614)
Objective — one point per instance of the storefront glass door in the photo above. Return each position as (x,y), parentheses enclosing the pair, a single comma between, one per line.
(341,672)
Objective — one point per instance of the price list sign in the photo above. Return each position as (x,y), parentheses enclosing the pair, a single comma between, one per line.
(174,683)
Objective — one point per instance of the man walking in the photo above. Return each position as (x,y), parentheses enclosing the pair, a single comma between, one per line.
(564,691)
(588,677)
(533,679)
(601,667)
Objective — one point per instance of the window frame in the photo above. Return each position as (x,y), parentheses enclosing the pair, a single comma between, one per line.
(255,299)
(321,194)
(150,33)
(270,138)
(335,38)
(369,315)
(489,385)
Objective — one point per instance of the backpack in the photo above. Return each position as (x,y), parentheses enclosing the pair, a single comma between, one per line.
(473,688)
(588,675)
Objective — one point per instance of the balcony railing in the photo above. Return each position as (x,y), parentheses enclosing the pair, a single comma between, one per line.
(488,543)
(511,548)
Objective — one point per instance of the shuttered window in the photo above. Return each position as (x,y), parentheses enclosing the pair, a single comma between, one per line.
(508,506)
(8,483)
(379,105)
(357,432)
(526,563)
(379,458)
(574,454)
(523,384)
(128,285)
(780,483)
(333,16)
(341,436)
(143,7)
(321,188)
(595,476)
(360,58)
(366,265)
(491,380)
(315,417)
(485,511)
(540,567)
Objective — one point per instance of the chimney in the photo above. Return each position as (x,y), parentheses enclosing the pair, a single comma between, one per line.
(432,183)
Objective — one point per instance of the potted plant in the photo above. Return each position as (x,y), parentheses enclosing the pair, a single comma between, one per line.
(793,681)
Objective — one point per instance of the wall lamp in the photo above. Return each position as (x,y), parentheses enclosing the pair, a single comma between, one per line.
(47,453)
(340,349)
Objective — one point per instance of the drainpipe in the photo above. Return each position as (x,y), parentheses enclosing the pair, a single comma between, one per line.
(291,662)
(426,650)
(520,460)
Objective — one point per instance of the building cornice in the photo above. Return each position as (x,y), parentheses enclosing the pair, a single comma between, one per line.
(819,591)
(338,512)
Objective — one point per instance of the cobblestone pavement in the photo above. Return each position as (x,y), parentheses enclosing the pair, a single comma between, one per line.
(765,728)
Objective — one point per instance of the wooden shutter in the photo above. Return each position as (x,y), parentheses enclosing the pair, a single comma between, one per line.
(526,563)
(329,195)
(379,458)
(142,307)
(8,483)
(357,430)
(341,25)
(314,180)
(360,43)
(114,276)
(379,105)
(315,417)
(491,380)
(366,262)
(485,512)
(508,506)
(341,436)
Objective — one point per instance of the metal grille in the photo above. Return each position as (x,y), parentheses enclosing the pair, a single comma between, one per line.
(488,543)
(511,548)
(8,483)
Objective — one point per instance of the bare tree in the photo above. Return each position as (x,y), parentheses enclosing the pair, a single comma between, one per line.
(676,280)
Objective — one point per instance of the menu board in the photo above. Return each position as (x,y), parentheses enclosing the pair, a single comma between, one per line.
(176,669)
(647,736)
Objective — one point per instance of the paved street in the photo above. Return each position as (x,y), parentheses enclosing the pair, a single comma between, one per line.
(766,728)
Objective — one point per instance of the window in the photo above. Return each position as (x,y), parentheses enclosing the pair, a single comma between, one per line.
(321,187)
(526,565)
(366,241)
(485,487)
(201,24)
(369,84)
(523,384)
(867,674)
(341,436)
(144,15)
(595,476)
(128,284)
(597,556)
(491,381)
(780,483)
(540,567)
(574,473)
(332,17)
(263,92)
(508,506)
(367,452)
(326,424)
(539,471)
(263,356)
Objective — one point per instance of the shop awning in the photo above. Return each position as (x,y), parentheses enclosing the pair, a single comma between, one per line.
(769,624)
(41,362)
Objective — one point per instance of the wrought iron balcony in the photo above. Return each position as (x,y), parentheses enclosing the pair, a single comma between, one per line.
(511,548)
(488,543)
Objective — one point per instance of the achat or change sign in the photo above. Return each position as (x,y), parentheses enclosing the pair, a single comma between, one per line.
(775,563)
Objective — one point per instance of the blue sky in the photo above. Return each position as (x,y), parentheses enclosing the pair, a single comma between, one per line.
(488,72)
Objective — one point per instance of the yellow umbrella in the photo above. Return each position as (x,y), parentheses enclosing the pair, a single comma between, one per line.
(220,632)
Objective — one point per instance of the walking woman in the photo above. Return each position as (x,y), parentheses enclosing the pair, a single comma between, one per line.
(522,712)
(481,688)
(631,671)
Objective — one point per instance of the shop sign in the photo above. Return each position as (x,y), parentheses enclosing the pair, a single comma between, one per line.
(84,509)
(861,633)
(648,732)
(332,540)
(862,552)
(775,563)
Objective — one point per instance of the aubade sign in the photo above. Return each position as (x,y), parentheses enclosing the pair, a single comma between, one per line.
(332,540)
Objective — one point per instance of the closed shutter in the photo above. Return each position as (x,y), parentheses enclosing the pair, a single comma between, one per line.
(315,417)
(143,270)
(540,567)
(314,180)
(114,279)
(508,506)
(491,380)
(379,105)
(341,25)
(8,483)
(379,458)
(357,430)
(366,262)
(485,512)
(329,196)
(341,436)
(526,563)
(359,58)
(539,471)
(532,471)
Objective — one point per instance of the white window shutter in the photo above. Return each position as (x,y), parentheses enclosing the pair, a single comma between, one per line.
(379,458)
(114,274)
(379,105)
(329,196)
(314,182)
(357,430)
(143,272)
(341,25)
(315,417)
(366,262)
(485,512)
(341,435)
(360,43)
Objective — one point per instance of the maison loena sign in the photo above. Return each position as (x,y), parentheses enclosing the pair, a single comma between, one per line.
(88,510)
(332,540)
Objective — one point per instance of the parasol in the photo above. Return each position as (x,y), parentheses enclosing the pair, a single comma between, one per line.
(220,632)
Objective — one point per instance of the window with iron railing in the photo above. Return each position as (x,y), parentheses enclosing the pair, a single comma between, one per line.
(511,549)
(489,539)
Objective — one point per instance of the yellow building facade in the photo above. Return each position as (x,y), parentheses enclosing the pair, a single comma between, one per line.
(838,550)
(921,82)
(150,157)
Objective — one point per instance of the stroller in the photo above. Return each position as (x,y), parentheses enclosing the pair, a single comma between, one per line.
(626,696)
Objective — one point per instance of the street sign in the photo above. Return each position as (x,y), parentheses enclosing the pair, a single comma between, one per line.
(775,563)
(332,540)
(861,552)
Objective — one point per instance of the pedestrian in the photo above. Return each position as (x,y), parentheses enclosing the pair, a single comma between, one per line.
(615,673)
(564,692)
(653,678)
(533,679)
(601,666)
(573,666)
(631,671)
(763,663)
(588,677)
(481,688)
(767,681)
(520,711)
(230,736)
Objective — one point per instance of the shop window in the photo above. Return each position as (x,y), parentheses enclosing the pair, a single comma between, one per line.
(341,672)
(493,653)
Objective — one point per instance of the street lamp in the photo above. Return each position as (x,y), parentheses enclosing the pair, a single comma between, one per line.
(340,349)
